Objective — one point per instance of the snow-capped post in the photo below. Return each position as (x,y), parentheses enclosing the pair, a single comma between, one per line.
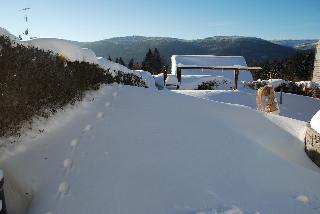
(3,209)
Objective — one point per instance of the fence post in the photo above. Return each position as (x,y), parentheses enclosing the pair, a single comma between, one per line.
(3,205)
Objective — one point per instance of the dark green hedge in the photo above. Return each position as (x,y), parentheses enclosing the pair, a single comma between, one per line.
(34,82)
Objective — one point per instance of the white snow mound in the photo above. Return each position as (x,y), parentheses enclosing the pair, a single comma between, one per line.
(4,32)
(315,122)
(64,48)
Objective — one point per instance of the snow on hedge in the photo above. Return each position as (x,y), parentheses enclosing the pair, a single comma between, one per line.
(315,122)
(147,78)
(114,67)
(65,48)
(210,60)
(4,32)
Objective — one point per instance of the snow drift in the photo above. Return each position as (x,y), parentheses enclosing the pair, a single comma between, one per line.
(120,152)
(64,48)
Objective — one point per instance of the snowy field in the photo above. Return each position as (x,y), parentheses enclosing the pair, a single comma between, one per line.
(123,150)
(293,106)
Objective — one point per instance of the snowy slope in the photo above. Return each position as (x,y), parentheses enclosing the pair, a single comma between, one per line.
(125,152)
(294,106)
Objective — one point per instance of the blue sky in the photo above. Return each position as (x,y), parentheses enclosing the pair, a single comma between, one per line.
(188,19)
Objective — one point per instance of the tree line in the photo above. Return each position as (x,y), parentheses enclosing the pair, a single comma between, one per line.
(152,62)
(298,67)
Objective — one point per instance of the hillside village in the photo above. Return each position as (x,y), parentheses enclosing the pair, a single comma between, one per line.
(88,135)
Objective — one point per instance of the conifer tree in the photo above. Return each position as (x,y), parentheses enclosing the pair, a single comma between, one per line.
(152,62)
(121,62)
(131,64)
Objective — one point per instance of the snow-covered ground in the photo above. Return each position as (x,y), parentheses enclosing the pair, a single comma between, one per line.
(293,106)
(191,82)
(125,152)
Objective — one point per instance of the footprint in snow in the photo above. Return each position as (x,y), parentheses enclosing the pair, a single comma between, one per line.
(63,189)
(87,128)
(115,94)
(74,143)
(303,199)
(107,104)
(100,115)
(67,163)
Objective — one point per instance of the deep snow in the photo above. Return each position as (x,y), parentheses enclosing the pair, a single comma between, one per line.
(293,106)
(125,152)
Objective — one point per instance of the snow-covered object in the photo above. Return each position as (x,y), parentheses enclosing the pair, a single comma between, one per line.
(113,66)
(4,32)
(315,122)
(147,78)
(210,60)
(65,48)
(216,156)
(308,84)
(172,80)
(159,80)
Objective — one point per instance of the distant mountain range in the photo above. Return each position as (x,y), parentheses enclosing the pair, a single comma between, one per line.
(297,44)
(255,50)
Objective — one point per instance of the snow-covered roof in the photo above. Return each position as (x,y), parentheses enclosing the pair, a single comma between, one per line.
(210,61)
(207,60)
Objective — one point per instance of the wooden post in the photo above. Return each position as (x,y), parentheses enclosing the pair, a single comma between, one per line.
(236,77)
(179,75)
(165,74)
(3,205)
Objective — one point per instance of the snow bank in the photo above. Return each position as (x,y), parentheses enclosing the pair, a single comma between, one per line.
(293,106)
(114,67)
(4,32)
(137,158)
(191,82)
(172,80)
(147,78)
(159,80)
(64,48)
(210,60)
(315,122)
